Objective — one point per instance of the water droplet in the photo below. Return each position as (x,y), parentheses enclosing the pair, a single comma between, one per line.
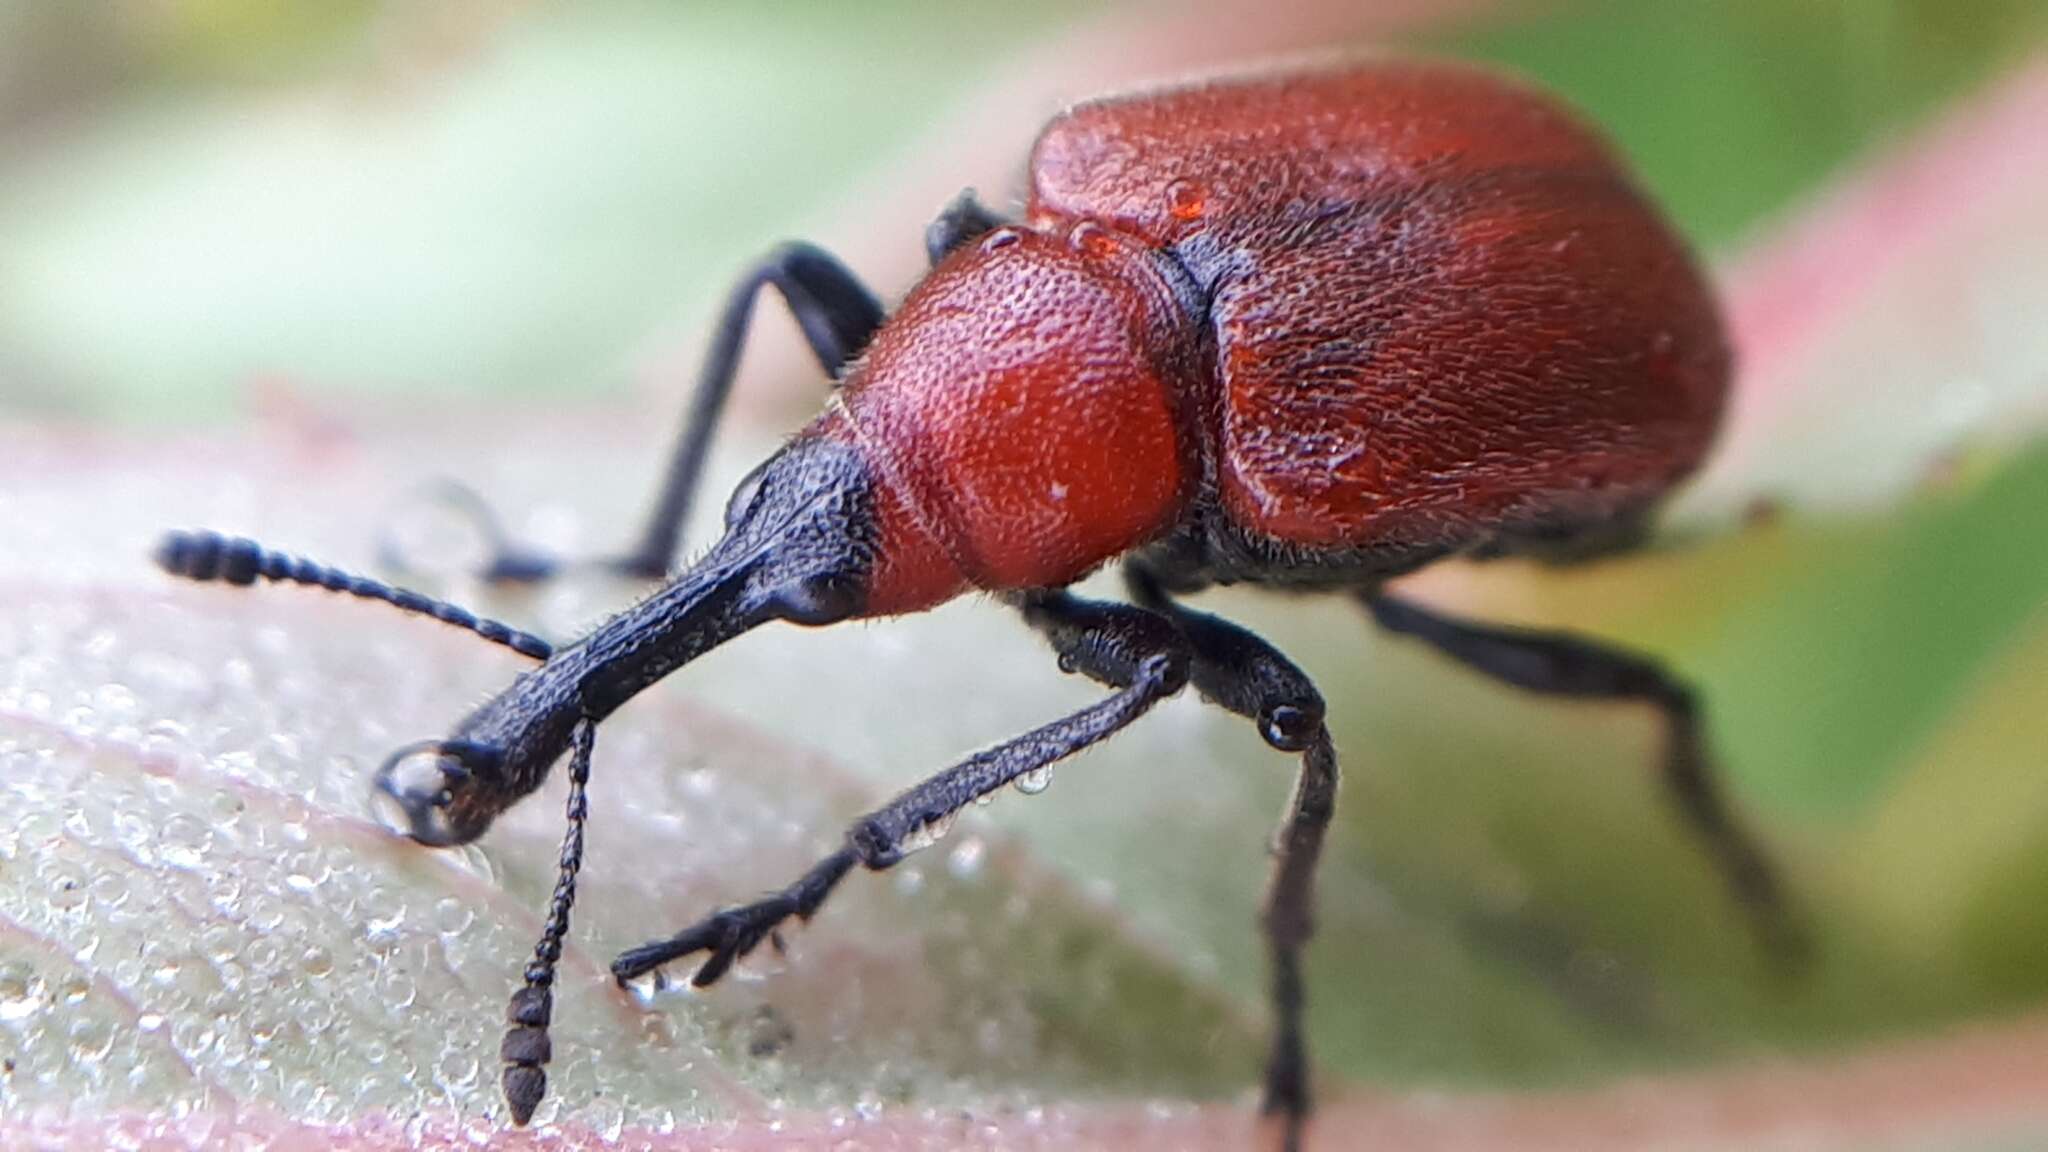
(285,747)
(263,953)
(1186,200)
(68,894)
(657,1031)
(114,699)
(1035,781)
(607,1121)
(437,535)
(194,1036)
(452,916)
(457,1069)
(384,930)
(472,858)
(1091,239)
(164,973)
(21,995)
(928,833)
(92,1039)
(40,826)
(647,987)
(396,987)
(182,841)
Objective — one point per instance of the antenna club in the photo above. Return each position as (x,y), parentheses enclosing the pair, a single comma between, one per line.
(526,1047)
(209,556)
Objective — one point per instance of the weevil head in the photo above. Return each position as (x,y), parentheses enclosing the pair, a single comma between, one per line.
(799,547)
(1018,423)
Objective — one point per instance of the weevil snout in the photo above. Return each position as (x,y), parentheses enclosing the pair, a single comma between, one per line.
(432,793)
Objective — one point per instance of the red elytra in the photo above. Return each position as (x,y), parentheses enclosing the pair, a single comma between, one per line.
(1311,329)
(1433,309)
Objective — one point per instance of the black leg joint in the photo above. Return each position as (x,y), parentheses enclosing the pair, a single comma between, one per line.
(1239,671)
(1569,666)
(961,222)
(1112,644)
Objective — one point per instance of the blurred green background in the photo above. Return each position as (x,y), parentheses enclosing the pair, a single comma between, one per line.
(514,197)
(204,203)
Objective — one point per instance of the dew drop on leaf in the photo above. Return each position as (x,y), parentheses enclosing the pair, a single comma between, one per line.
(452,916)
(21,994)
(92,1039)
(457,1068)
(182,841)
(646,987)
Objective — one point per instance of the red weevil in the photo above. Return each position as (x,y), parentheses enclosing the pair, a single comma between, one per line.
(1311,330)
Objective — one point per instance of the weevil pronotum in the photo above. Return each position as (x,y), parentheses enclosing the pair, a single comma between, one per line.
(1309,329)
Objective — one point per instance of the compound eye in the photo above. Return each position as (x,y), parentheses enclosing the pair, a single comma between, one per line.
(415,790)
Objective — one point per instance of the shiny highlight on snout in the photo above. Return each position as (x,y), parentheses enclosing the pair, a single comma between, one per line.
(432,792)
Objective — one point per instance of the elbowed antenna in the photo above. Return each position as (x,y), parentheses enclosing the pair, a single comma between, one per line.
(525,1049)
(799,546)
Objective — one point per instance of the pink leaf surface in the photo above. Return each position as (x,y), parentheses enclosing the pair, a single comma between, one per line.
(1894,321)
(1984,1087)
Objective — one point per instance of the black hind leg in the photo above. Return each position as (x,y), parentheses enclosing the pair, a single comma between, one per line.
(1557,664)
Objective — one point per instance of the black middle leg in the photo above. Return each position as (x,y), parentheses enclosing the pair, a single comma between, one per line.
(1558,664)
(837,315)
(1138,652)
(1248,676)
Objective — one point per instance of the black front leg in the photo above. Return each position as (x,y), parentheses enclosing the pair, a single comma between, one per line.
(1140,653)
